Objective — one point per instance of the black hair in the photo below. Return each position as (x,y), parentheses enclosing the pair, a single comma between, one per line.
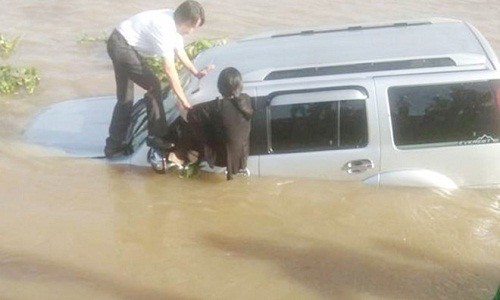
(189,11)
(230,82)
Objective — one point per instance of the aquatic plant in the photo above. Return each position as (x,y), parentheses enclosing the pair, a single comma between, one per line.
(7,46)
(90,39)
(190,170)
(12,80)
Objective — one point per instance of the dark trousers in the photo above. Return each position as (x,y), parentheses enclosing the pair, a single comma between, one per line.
(130,68)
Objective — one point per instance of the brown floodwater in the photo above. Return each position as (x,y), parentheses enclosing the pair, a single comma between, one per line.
(82,229)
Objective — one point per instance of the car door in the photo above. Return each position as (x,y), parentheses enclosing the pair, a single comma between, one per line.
(322,131)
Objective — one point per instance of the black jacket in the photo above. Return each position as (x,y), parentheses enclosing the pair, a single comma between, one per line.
(222,129)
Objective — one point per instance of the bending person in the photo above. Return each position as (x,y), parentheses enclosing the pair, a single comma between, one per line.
(149,33)
(219,130)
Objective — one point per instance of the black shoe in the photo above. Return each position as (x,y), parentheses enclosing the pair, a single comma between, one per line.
(159,143)
(114,152)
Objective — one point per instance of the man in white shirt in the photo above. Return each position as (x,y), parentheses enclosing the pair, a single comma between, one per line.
(149,33)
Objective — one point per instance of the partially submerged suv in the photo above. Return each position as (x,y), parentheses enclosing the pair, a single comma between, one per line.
(410,103)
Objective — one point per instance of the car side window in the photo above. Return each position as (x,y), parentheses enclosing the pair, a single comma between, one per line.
(316,126)
(444,115)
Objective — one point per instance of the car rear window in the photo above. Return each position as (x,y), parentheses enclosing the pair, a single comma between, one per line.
(456,114)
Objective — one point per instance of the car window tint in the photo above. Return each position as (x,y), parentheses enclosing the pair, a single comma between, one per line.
(353,124)
(318,126)
(444,115)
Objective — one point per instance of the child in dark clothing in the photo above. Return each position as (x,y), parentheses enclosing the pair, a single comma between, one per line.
(219,130)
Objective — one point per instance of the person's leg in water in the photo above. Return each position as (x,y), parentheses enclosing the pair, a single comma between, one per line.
(130,67)
(157,123)
(120,53)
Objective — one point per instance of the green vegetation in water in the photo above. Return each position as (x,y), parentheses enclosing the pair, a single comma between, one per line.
(91,39)
(190,170)
(7,46)
(12,80)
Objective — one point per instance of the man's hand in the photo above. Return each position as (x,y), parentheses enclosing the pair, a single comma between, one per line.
(184,105)
(203,72)
(174,82)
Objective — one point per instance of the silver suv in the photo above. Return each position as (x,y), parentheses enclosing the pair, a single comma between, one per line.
(410,103)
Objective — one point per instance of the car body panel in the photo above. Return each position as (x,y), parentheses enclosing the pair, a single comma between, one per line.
(77,127)
(326,164)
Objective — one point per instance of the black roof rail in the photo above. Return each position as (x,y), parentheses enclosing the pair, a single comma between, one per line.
(352,28)
(362,68)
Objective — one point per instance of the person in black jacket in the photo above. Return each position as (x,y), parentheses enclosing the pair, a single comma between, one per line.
(219,130)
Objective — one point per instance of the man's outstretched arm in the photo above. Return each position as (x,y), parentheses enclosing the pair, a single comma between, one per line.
(174,81)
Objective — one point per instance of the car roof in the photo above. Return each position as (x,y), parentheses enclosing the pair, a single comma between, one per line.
(352,49)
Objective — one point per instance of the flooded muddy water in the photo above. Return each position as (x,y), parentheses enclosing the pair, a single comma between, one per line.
(82,229)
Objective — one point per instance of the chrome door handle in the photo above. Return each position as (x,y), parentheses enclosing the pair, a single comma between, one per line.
(358,166)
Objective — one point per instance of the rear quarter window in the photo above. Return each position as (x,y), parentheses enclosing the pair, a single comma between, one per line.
(456,114)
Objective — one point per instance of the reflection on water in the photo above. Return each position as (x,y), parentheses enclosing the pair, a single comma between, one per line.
(82,229)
